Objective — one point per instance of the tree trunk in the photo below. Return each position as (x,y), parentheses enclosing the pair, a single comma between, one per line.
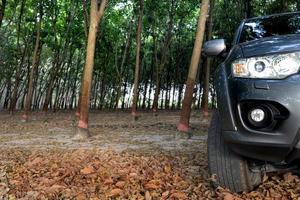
(208,64)
(247,9)
(2,11)
(125,91)
(183,125)
(150,88)
(14,98)
(96,15)
(86,17)
(8,94)
(157,77)
(137,61)
(73,96)
(121,71)
(173,96)
(206,87)
(179,99)
(50,85)
(164,51)
(35,63)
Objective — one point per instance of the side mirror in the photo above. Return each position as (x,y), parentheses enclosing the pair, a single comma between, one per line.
(214,47)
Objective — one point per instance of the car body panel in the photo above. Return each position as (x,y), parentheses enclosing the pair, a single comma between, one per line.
(282,144)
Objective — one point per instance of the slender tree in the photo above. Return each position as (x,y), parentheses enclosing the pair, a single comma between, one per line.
(86,17)
(183,125)
(60,54)
(2,10)
(120,71)
(96,14)
(164,51)
(86,31)
(14,98)
(248,8)
(137,61)
(35,63)
(208,63)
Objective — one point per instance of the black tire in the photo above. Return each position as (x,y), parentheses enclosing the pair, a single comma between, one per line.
(228,169)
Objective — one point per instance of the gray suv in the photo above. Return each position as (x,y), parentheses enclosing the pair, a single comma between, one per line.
(256,128)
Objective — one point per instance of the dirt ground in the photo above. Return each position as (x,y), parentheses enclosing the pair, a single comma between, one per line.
(124,159)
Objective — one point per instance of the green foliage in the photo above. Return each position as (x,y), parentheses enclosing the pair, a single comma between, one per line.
(64,41)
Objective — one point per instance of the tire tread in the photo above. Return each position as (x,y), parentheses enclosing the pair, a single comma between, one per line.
(230,169)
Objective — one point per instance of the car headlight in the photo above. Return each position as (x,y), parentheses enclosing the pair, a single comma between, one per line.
(267,67)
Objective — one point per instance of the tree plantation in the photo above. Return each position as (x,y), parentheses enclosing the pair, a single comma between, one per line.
(142,52)
(130,80)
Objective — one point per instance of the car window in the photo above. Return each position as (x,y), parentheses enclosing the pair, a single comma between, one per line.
(258,28)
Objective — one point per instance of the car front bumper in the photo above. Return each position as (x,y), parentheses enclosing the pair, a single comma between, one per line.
(280,144)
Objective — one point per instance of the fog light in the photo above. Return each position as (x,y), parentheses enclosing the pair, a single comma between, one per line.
(257,115)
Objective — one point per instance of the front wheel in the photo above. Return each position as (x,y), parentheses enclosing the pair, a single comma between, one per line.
(228,169)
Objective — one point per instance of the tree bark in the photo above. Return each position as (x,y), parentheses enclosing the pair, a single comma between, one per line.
(73,96)
(208,64)
(137,61)
(8,94)
(86,17)
(95,17)
(183,125)
(2,11)
(247,9)
(34,66)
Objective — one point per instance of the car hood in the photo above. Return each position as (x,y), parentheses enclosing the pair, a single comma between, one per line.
(271,45)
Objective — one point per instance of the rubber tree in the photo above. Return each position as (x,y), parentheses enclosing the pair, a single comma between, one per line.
(2,10)
(164,51)
(86,17)
(14,98)
(183,124)
(86,31)
(60,53)
(137,61)
(248,8)
(120,71)
(96,14)
(205,100)
(35,63)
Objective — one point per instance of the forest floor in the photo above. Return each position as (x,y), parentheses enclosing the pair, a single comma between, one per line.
(124,159)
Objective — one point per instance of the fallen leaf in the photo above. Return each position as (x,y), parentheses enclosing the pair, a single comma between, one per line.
(179,196)
(289,177)
(228,196)
(115,192)
(120,184)
(168,168)
(108,181)
(55,188)
(148,196)
(153,185)
(132,174)
(165,195)
(88,170)
(183,185)
(34,162)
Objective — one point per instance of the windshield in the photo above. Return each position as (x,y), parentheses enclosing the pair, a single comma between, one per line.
(258,28)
